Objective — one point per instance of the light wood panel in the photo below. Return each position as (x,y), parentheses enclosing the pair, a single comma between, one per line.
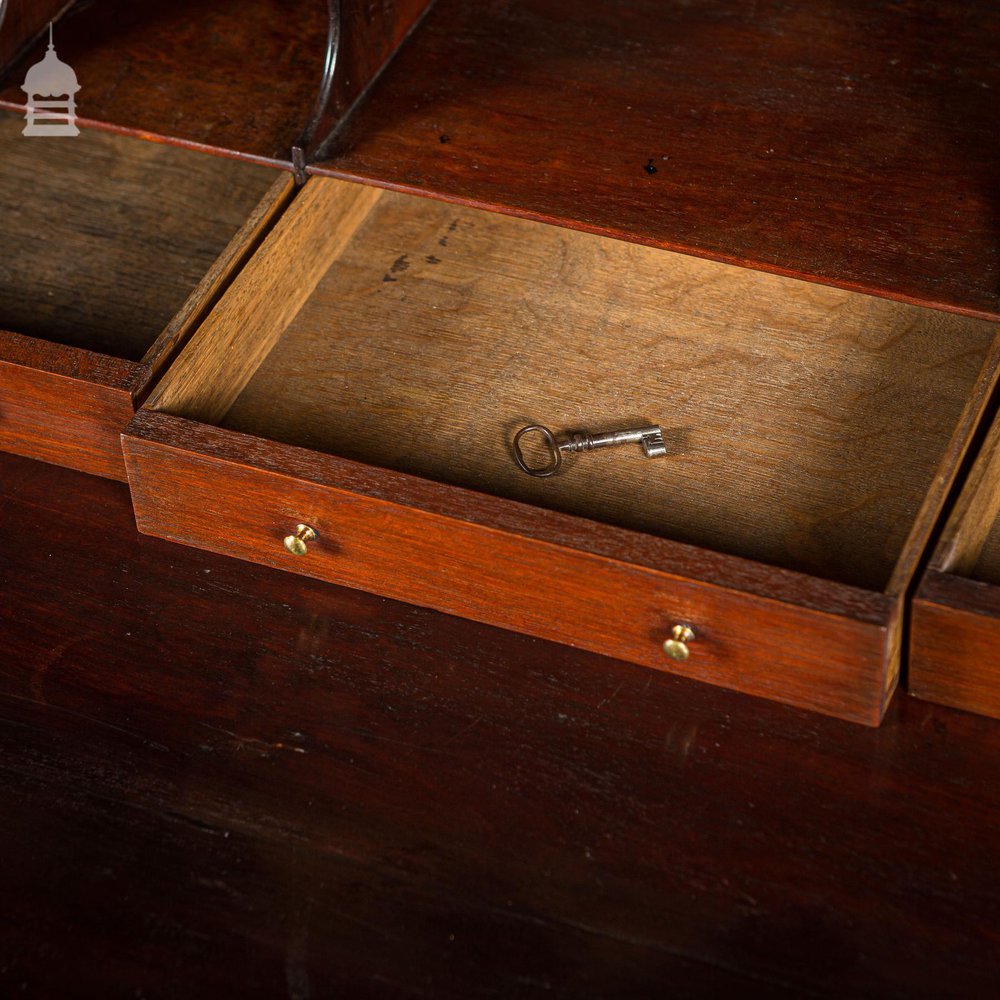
(228,348)
(970,544)
(805,425)
(987,566)
(955,633)
(228,264)
(103,237)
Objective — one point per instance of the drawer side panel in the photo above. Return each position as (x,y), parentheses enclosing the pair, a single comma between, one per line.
(829,663)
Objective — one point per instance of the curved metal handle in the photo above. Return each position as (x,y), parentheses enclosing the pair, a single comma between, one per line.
(555,453)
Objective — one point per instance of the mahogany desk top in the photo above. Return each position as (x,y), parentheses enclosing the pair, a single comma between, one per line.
(221,780)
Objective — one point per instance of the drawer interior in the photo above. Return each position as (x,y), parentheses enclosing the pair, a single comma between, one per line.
(987,566)
(806,427)
(104,237)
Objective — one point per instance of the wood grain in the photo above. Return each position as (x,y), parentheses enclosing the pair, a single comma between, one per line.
(968,545)
(264,298)
(216,280)
(964,440)
(234,77)
(987,567)
(806,426)
(105,237)
(815,140)
(369,34)
(955,640)
(21,21)
(114,249)
(955,643)
(64,404)
(223,780)
(191,483)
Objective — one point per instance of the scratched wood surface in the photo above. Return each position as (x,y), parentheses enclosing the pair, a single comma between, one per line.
(222,780)
(104,237)
(852,142)
(804,424)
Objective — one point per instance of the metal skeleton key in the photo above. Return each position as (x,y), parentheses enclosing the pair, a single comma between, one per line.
(651,439)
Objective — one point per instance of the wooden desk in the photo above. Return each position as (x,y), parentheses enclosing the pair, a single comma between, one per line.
(221,780)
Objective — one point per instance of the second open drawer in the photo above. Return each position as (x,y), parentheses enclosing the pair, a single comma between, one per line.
(955,642)
(112,250)
(364,376)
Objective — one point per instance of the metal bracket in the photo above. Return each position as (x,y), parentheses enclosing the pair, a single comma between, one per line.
(303,146)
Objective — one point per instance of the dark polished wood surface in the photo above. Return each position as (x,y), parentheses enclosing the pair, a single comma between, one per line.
(21,20)
(222,780)
(854,143)
(242,77)
(236,76)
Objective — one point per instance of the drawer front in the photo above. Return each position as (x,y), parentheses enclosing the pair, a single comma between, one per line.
(955,644)
(70,420)
(832,663)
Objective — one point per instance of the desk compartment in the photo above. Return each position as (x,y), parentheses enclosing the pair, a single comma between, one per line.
(113,250)
(365,374)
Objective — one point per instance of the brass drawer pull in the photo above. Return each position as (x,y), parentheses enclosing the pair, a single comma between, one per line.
(676,647)
(296,544)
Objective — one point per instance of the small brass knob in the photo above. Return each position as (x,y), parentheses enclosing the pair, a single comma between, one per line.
(676,647)
(296,544)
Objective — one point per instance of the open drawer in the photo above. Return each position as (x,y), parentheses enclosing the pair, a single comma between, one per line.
(364,376)
(113,250)
(955,639)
